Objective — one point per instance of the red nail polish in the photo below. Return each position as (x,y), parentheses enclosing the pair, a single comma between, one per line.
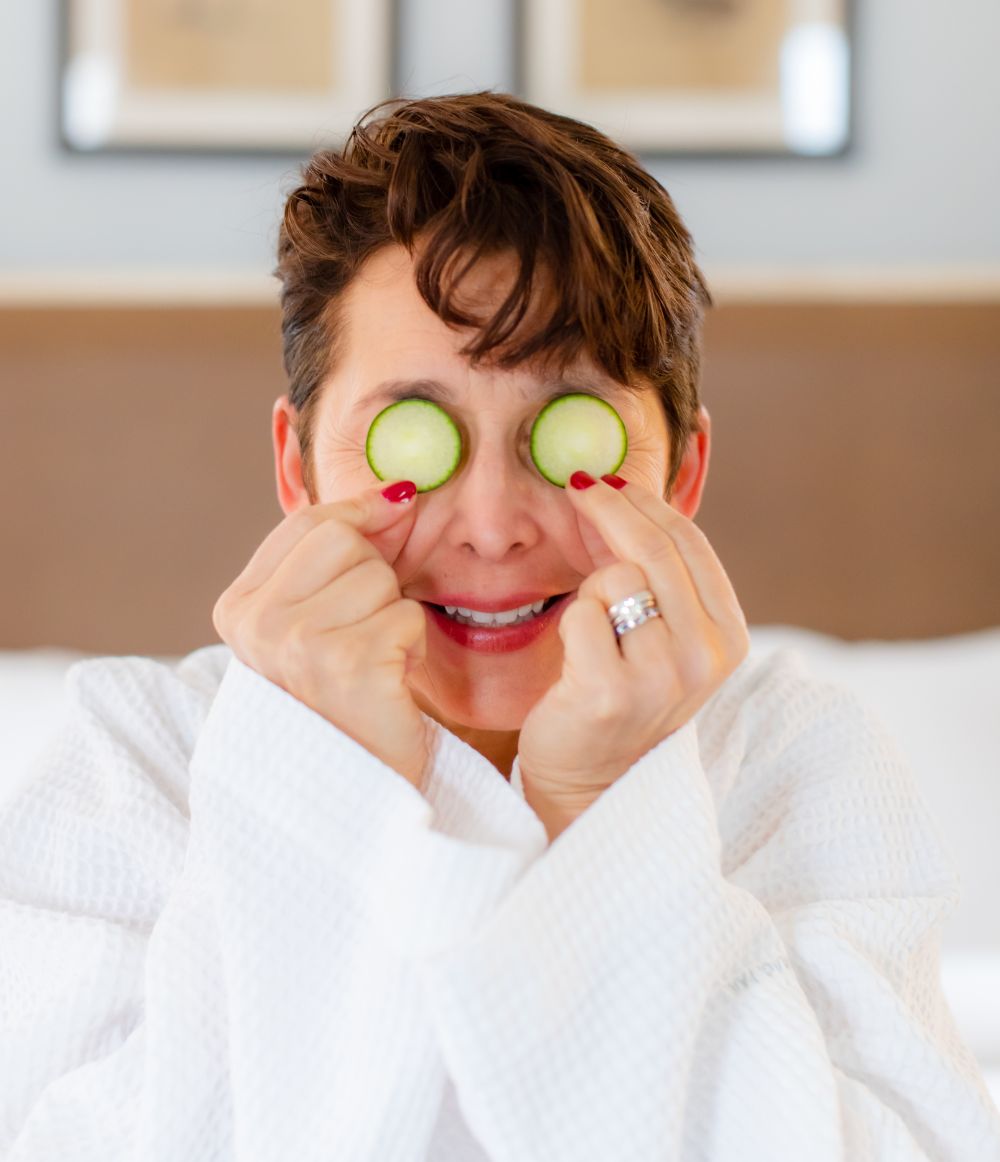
(403,490)
(614,481)
(582,480)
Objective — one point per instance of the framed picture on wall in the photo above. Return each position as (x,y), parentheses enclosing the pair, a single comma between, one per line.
(694,76)
(221,74)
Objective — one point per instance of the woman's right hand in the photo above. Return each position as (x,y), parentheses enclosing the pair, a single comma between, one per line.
(318,611)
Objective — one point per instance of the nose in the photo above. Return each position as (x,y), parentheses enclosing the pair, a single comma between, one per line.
(494,504)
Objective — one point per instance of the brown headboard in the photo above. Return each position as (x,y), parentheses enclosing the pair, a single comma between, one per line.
(854,482)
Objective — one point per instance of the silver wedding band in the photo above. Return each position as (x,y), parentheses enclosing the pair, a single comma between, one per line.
(632,611)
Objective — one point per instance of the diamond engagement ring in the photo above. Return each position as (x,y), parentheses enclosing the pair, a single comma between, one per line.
(629,613)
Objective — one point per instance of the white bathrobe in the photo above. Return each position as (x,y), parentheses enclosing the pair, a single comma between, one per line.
(228,932)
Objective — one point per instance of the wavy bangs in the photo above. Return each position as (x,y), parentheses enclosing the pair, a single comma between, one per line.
(476,175)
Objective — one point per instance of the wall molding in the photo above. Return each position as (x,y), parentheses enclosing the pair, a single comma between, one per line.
(123,287)
(130,288)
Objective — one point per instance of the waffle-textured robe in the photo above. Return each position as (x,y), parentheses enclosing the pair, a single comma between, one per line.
(228,932)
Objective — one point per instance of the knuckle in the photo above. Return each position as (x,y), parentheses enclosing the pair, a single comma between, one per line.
(609,710)
(739,644)
(664,672)
(582,614)
(353,654)
(590,588)
(378,579)
(307,518)
(301,523)
(411,616)
(576,608)
(298,644)
(220,614)
(687,532)
(609,703)
(344,546)
(701,665)
(265,621)
(659,550)
(619,580)
(573,616)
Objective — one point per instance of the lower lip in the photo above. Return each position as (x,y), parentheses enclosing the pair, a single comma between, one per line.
(500,639)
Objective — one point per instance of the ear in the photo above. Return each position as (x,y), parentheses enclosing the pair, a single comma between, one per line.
(690,482)
(292,492)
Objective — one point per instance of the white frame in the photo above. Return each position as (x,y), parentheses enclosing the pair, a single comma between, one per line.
(811,115)
(98,111)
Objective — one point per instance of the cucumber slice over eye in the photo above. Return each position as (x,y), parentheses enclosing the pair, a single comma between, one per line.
(416,440)
(577,432)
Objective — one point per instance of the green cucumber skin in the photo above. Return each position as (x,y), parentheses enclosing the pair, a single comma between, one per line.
(544,417)
(546,413)
(439,416)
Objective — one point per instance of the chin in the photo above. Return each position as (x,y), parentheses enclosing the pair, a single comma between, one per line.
(498,714)
(481,707)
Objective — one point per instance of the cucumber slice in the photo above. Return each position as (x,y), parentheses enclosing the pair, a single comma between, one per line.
(416,440)
(576,432)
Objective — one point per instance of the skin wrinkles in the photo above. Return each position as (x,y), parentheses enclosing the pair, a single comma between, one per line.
(343,438)
(496,525)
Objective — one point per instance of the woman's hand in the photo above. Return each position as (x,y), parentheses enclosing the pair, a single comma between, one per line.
(318,611)
(614,702)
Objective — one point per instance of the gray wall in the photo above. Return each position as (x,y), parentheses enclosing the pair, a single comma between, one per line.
(919,187)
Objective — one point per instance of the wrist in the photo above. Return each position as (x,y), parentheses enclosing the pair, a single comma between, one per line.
(556,812)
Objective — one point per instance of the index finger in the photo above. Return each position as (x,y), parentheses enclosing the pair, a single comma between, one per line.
(368,512)
(641,527)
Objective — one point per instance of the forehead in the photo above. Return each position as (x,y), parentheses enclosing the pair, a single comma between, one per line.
(392,339)
(383,301)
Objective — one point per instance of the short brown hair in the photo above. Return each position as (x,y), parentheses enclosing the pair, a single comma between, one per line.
(481,174)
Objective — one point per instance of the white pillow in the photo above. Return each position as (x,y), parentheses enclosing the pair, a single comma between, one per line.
(940,700)
(33,706)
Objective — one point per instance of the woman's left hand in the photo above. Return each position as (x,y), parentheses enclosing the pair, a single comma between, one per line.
(617,698)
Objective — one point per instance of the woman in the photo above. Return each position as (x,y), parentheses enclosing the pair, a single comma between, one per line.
(480,835)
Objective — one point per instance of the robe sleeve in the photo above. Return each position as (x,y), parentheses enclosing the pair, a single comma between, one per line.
(208,917)
(758,977)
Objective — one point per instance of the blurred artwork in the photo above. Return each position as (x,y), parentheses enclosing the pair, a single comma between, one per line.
(222,74)
(694,76)
(236,44)
(682,44)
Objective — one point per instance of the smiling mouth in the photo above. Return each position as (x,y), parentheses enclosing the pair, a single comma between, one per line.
(493,620)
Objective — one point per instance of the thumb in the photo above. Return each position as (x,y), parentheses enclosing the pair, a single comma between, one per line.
(391,511)
(384,522)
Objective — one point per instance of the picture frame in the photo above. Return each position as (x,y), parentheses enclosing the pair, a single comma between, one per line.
(695,77)
(221,75)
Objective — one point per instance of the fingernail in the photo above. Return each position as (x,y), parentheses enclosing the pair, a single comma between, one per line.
(582,480)
(614,481)
(403,490)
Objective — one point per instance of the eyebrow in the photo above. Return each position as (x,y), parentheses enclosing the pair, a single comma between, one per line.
(394,390)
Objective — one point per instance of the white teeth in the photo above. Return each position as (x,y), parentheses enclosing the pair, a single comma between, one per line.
(503,617)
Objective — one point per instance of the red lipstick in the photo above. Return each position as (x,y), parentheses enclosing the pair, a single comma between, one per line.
(499,639)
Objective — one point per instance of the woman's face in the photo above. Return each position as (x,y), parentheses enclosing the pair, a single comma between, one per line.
(496,534)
